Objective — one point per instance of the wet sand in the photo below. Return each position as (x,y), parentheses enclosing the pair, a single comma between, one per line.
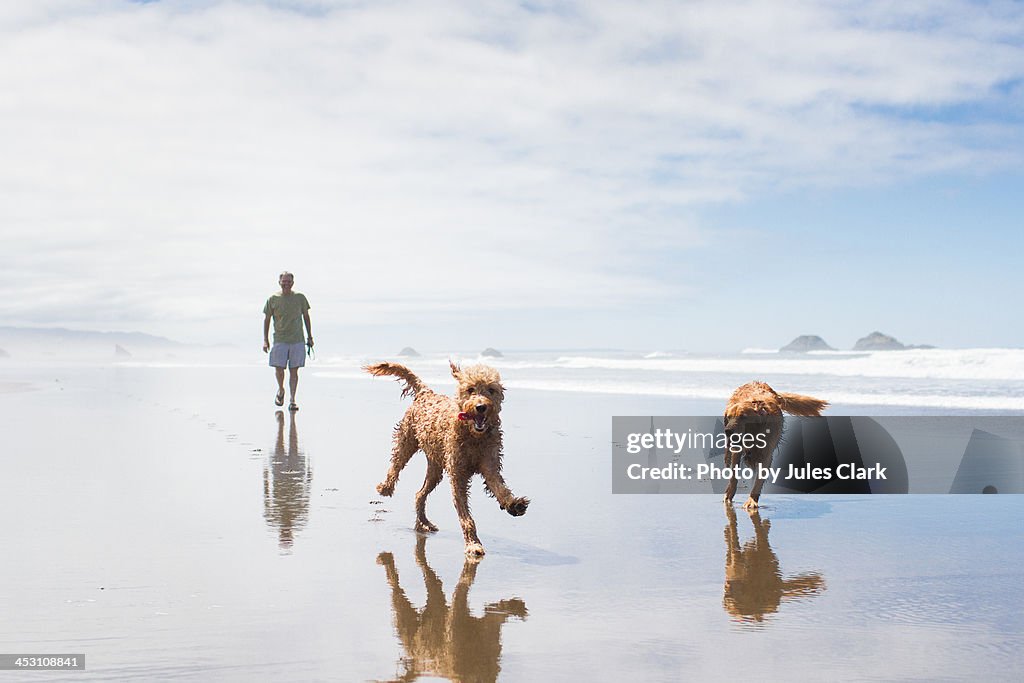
(170,523)
(14,387)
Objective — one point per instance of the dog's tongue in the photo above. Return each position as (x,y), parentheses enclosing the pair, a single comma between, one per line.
(473,417)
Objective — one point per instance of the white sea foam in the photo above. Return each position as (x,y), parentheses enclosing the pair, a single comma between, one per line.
(970,379)
(721,393)
(958,364)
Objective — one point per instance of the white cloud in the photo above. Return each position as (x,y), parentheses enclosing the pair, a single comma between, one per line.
(163,162)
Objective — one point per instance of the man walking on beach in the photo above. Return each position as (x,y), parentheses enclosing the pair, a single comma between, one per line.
(289,310)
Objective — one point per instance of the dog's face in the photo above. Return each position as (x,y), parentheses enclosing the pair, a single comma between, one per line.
(479,396)
(751,403)
(753,409)
(750,412)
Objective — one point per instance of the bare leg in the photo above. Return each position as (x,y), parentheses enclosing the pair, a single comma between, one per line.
(279,375)
(496,485)
(460,494)
(405,445)
(293,381)
(430,482)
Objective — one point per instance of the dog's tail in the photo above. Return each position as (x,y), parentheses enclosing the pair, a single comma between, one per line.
(797,404)
(413,384)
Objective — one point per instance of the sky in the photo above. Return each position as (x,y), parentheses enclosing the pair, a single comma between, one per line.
(454,175)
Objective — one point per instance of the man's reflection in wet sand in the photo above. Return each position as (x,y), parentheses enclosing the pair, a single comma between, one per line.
(754,585)
(287,479)
(446,640)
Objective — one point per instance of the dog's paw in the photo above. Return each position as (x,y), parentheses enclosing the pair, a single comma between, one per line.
(751,504)
(474,550)
(385,490)
(425,526)
(517,508)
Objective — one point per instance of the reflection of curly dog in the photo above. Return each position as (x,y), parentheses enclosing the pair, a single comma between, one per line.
(460,436)
(754,585)
(755,410)
(446,640)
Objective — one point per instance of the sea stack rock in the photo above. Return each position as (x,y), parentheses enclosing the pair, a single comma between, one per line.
(121,352)
(408,352)
(805,343)
(876,341)
(492,353)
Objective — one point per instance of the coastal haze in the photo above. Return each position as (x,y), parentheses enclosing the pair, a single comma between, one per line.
(704,176)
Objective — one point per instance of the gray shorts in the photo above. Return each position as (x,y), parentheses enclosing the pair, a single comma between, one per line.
(288,355)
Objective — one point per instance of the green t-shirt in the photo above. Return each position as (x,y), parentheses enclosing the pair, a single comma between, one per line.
(287,313)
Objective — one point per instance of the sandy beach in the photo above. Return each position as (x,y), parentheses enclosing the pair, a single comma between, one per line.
(170,523)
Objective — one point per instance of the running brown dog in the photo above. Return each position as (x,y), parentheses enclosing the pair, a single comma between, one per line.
(460,436)
(756,409)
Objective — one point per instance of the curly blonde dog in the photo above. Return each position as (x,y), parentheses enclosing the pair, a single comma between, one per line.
(460,436)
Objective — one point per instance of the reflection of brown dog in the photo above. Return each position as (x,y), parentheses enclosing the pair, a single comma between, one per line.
(754,585)
(755,410)
(460,436)
(446,640)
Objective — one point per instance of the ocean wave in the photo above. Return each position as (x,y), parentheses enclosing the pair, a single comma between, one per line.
(959,364)
(972,379)
(660,354)
(721,392)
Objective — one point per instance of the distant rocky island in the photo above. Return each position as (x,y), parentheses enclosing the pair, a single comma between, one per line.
(408,352)
(492,353)
(805,343)
(876,341)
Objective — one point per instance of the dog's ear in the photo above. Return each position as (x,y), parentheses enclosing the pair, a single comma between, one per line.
(456,371)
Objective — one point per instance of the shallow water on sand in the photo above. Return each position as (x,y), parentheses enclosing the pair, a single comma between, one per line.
(170,523)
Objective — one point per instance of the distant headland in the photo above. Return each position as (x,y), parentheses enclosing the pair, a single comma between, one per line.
(876,341)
